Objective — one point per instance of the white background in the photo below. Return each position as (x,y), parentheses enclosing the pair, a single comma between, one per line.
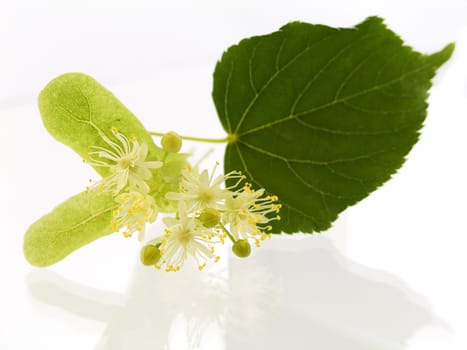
(392,274)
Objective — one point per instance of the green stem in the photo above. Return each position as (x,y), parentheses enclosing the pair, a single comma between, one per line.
(227,232)
(164,156)
(229,138)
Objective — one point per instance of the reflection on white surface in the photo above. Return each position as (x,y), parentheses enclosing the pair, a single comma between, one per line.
(150,316)
(329,302)
(293,293)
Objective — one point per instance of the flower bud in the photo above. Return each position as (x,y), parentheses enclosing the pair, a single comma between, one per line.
(150,255)
(209,217)
(171,142)
(241,248)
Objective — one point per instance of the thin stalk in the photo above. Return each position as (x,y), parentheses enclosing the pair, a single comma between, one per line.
(229,138)
(227,232)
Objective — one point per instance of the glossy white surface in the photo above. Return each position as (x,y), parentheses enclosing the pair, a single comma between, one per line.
(389,275)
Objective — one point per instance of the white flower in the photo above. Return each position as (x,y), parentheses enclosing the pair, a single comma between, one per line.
(185,237)
(126,162)
(247,213)
(135,210)
(201,190)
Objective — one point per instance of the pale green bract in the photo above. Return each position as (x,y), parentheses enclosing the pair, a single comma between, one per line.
(322,116)
(79,220)
(77,110)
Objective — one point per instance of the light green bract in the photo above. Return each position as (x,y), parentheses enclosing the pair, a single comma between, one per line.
(322,116)
(77,111)
(78,221)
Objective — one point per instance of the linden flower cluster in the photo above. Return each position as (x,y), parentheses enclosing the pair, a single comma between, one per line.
(208,214)
(207,211)
(129,172)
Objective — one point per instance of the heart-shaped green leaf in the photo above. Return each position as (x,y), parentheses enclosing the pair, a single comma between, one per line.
(322,116)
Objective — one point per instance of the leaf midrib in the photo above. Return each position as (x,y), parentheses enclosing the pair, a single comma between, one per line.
(334,102)
(311,161)
(276,73)
(86,220)
(285,66)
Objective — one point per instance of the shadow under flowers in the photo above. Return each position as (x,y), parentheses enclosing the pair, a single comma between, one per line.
(296,294)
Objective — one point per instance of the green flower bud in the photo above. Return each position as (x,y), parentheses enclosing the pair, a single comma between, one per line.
(209,217)
(171,142)
(241,248)
(150,255)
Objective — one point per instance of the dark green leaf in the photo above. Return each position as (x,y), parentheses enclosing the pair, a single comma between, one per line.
(322,116)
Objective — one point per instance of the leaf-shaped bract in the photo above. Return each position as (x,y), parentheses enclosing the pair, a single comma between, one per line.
(322,116)
(79,220)
(75,109)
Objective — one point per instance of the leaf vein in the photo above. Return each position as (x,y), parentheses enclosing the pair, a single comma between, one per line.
(281,47)
(260,91)
(348,132)
(313,187)
(345,176)
(311,217)
(226,93)
(307,113)
(305,215)
(350,75)
(315,162)
(380,111)
(250,70)
(323,68)
(101,212)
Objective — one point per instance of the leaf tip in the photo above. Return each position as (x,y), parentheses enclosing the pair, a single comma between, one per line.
(437,59)
(447,51)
